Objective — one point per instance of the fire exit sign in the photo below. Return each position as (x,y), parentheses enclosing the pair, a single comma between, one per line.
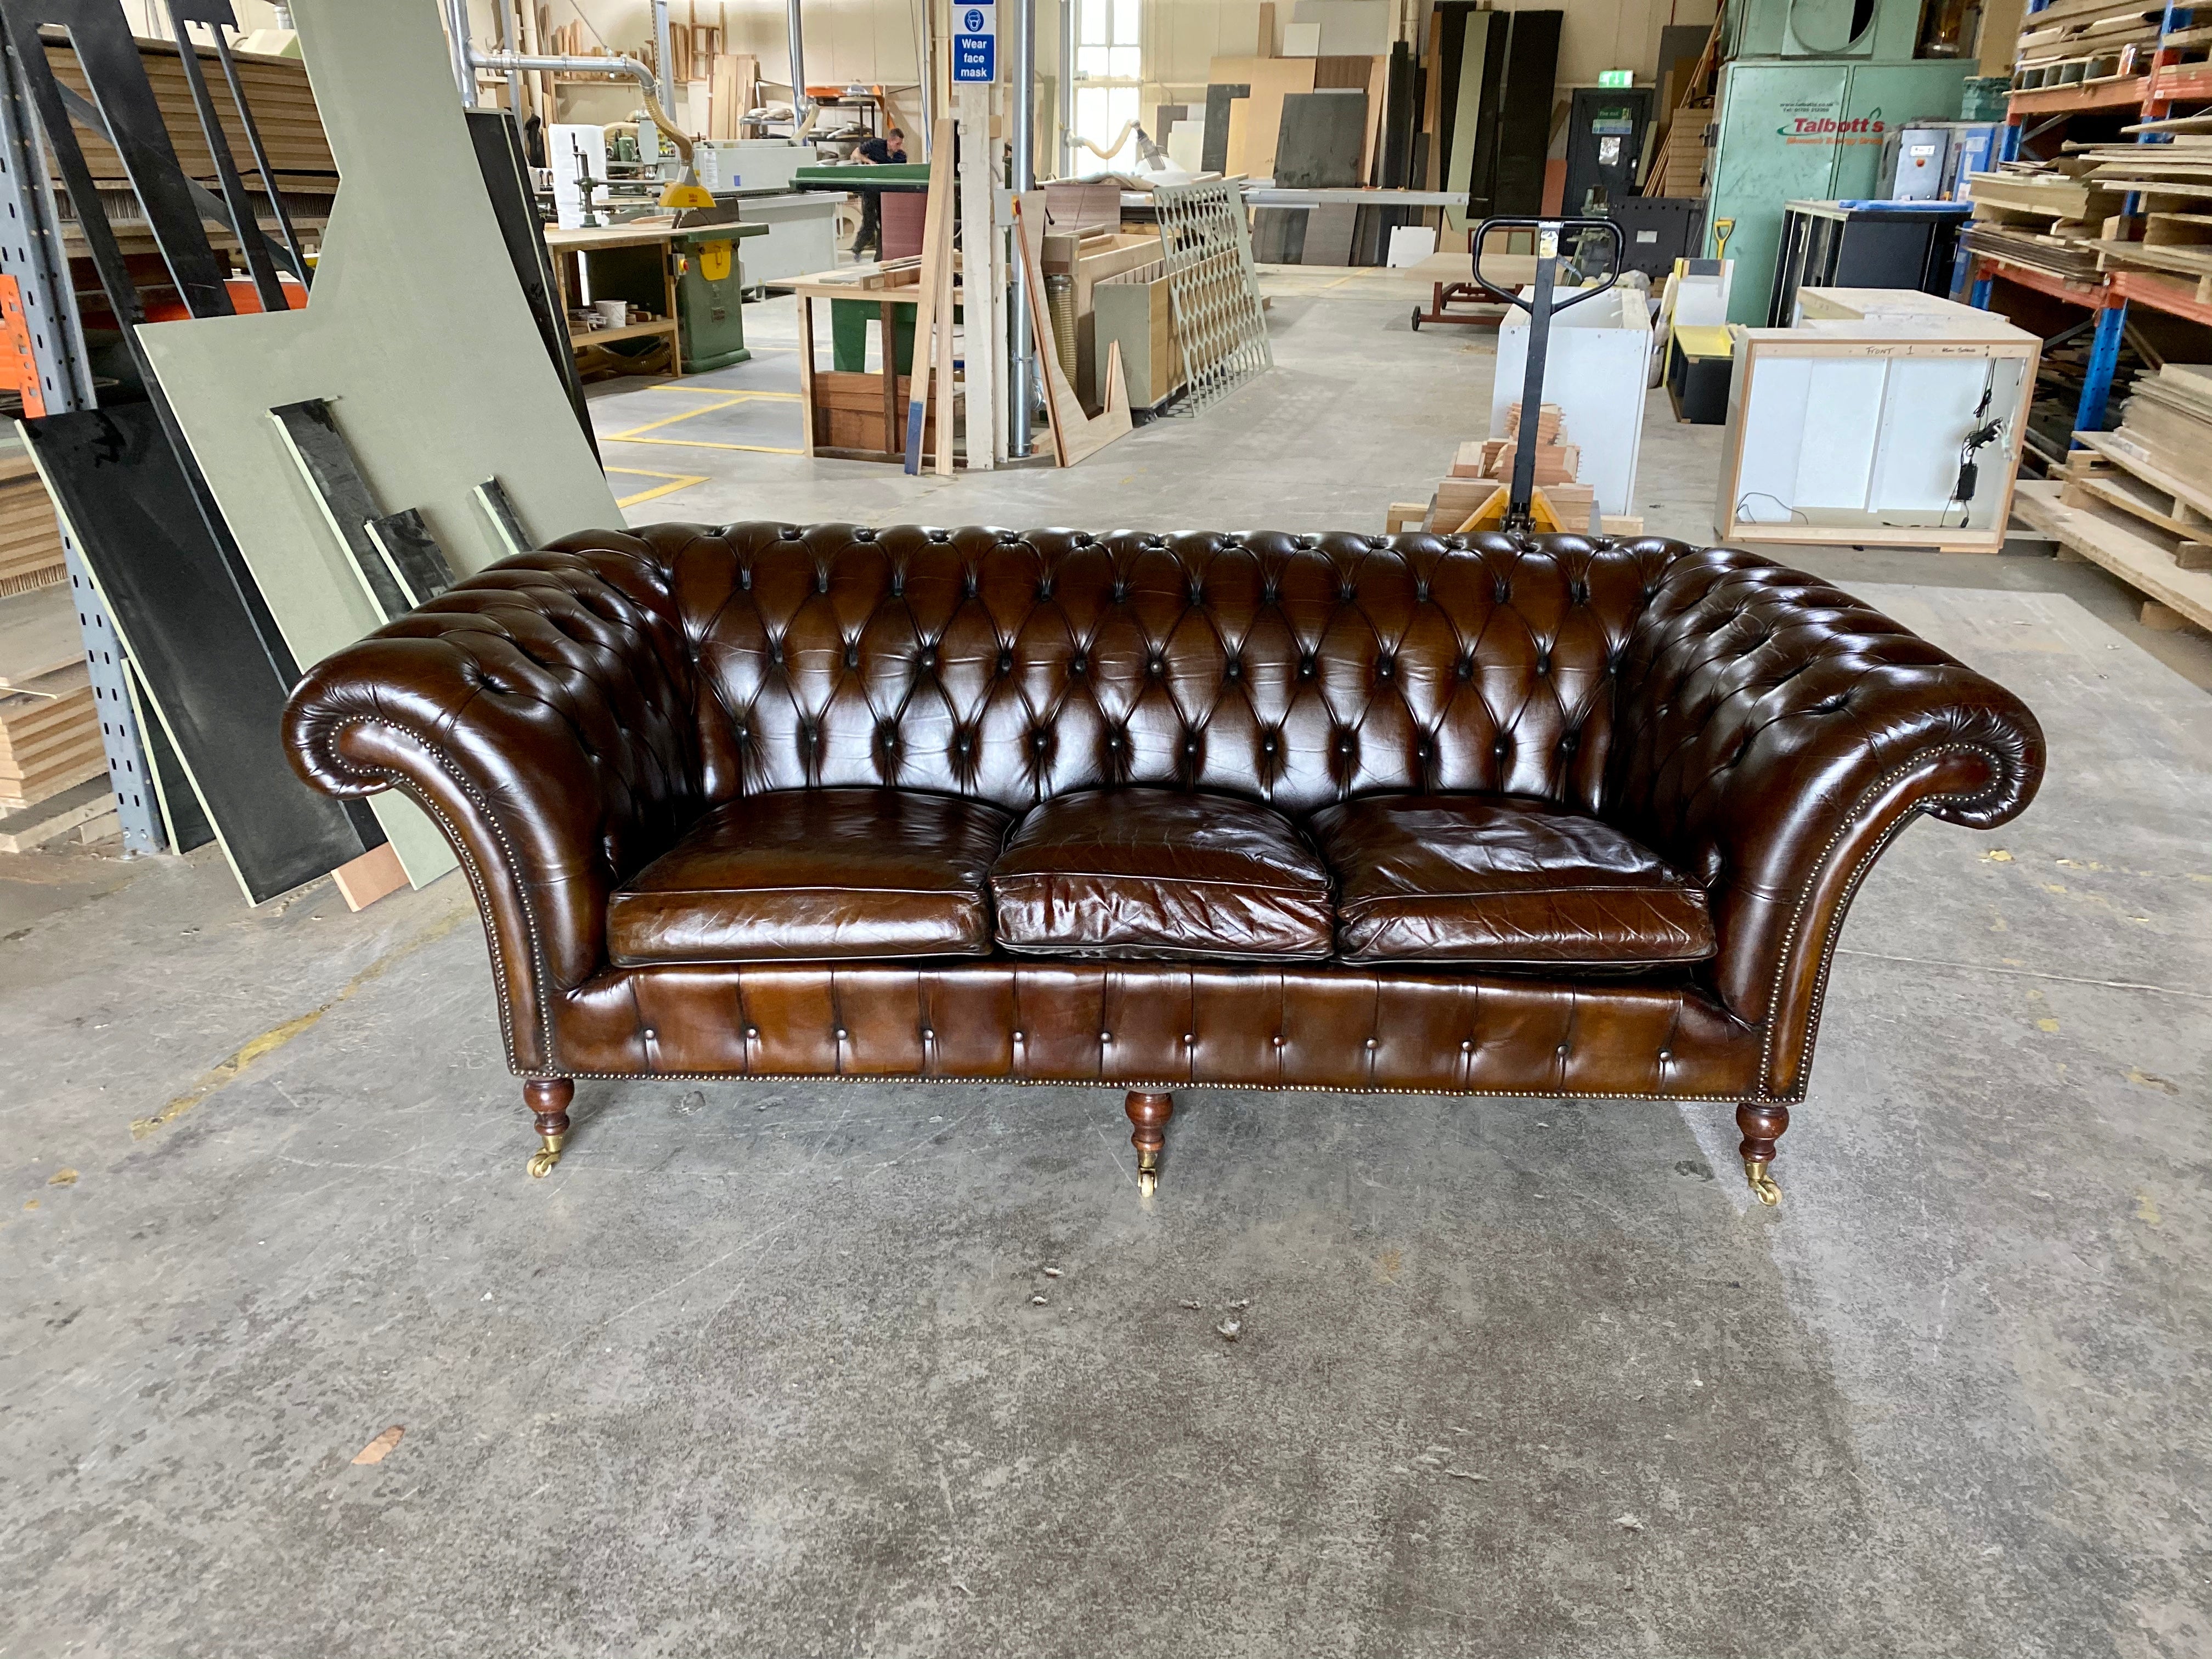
(1616,77)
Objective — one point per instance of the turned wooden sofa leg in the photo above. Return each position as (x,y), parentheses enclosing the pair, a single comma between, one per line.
(1149,1112)
(549,1098)
(1762,1127)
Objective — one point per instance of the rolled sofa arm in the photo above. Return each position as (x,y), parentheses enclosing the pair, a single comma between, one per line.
(1773,734)
(540,712)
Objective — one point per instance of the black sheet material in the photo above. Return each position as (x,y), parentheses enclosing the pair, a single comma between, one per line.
(186,825)
(332,469)
(1321,140)
(1214,154)
(187,627)
(413,554)
(498,144)
(1524,119)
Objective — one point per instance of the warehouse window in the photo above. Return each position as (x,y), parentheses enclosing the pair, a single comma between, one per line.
(1109,76)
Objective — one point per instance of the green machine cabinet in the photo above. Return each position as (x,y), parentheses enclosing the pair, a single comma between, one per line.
(709,286)
(1807,131)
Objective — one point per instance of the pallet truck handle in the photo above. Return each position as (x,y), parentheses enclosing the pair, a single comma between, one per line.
(1549,233)
(1541,306)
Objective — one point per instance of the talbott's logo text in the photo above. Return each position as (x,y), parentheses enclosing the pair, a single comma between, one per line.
(1808,126)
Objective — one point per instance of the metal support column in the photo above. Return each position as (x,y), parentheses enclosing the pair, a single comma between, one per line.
(508,42)
(2097,373)
(1070,22)
(457,41)
(664,58)
(798,38)
(31,254)
(1021,356)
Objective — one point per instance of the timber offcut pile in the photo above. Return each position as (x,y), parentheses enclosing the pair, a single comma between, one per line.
(2171,234)
(2047,216)
(2082,42)
(1483,465)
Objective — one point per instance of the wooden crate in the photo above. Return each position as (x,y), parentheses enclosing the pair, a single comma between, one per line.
(1134,311)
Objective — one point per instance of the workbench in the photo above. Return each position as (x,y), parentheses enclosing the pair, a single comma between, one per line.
(843,412)
(633,262)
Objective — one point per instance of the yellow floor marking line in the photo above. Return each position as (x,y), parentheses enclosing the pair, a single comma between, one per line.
(683,415)
(739,392)
(702,443)
(677,481)
(270,1041)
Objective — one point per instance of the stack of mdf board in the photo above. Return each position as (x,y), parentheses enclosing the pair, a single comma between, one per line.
(2072,42)
(49,728)
(2044,214)
(2171,235)
(30,535)
(276,89)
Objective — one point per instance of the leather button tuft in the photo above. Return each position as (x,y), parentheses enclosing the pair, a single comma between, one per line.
(1105,1036)
(929,1033)
(1278,1042)
(1155,667)
(1372,1043)
(752,1031)
(650,1034)
(1006,662)
(1467,1047)
(1017,1036)
(841,1034)
(1188,1039)
(1562,1049)
(1666,1053)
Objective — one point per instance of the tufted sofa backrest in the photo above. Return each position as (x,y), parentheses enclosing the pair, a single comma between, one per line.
(1293,670)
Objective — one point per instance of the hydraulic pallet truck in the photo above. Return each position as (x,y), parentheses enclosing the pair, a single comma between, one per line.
(1521,506)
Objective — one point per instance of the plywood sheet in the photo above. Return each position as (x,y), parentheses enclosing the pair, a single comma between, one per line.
(419,335)
(1271,79)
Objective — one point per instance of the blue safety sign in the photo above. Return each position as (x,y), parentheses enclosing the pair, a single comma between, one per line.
(975,42)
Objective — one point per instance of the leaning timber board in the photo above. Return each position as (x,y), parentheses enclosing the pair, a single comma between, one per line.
(420,338)
(218,692)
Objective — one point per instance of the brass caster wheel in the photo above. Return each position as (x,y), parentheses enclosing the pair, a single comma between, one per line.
(1148,1173)
(543,1160)
(1754,1172)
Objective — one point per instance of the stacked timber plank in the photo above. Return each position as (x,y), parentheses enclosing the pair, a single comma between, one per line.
(2172,233)
(49,727)
(2083,42)
(30,537)
(50,742)
(2044,214)
(1483,465)
(283,104)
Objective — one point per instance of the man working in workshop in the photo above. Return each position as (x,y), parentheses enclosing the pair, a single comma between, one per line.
(885,151)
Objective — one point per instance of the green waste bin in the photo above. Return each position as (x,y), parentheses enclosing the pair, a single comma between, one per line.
(710,291)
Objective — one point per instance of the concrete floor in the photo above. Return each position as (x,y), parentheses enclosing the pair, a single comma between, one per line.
(796,1370)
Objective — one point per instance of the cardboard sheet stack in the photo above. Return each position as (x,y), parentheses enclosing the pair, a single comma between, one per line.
(49,725)
(1484,464)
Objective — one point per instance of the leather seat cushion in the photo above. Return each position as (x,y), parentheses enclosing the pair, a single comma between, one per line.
(809,874)
(1502,879)
(1157,873)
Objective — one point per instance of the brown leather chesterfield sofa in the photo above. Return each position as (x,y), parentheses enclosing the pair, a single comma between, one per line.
(1467,815)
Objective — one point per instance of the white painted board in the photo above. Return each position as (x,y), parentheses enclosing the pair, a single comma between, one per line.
(418,334)
(1594,369)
